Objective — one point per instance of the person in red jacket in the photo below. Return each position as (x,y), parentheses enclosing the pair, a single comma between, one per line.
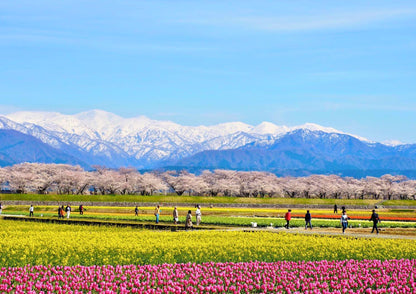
(287,218)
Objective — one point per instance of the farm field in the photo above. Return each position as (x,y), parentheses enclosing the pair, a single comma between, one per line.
(55,258)
(42,244)
(233,258)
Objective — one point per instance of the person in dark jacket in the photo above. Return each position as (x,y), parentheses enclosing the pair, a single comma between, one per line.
(335,208)
(308,219)
(374,217)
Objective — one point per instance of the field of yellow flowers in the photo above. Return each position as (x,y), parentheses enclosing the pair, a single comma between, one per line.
(54,244)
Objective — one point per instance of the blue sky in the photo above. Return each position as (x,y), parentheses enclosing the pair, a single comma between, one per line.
(350,65)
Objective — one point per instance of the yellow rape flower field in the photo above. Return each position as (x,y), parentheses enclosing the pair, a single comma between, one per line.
(25,243)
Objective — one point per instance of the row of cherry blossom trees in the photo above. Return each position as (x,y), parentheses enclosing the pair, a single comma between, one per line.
(67,179)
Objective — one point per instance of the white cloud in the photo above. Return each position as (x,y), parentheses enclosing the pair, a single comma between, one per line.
(306,22)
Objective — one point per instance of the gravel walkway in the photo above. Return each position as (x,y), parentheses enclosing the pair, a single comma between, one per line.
(385,233)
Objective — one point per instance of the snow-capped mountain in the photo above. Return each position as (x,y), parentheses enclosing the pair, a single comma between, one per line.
(141,138)
(99,137)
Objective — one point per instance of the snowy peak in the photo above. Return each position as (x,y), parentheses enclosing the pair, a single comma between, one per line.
(6,123)
(55,122)
(269,128)
(230,128)
(33,116)
(393,143)
(315,127)
(98,119)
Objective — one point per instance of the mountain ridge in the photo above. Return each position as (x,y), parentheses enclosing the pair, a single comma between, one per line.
(145,139)
(99,137)
(310,151)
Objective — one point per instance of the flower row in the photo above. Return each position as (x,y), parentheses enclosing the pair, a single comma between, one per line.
(348,276)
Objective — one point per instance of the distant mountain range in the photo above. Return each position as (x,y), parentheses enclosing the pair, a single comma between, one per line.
(101,138)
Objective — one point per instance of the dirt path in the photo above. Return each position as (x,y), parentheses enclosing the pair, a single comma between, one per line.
(385,233)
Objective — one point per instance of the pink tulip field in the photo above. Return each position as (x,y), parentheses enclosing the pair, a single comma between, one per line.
(348,276)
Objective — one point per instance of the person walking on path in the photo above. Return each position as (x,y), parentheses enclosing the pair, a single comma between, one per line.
(175,215)
(344,221)
(308,219)
(157,213)
(335,208)
(136,211)
(81,210)
(68,210)
(31,209)
(1,208)
(62,211)
(288,217)
(59,212)
(198,215)
(188,222)
(374,217)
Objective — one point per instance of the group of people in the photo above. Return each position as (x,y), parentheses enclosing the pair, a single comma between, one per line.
(175,214)
(344,219)
(62,210)
(188,221)
(308,219)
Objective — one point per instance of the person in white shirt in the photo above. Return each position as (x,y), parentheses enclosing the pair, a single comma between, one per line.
(198,215)
(344,221)
(68,210)
(31,210)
